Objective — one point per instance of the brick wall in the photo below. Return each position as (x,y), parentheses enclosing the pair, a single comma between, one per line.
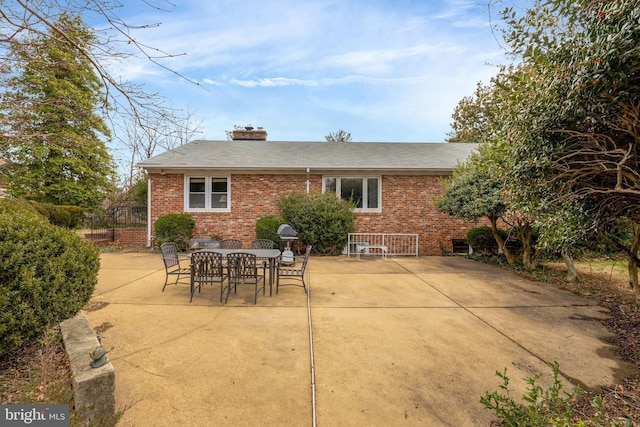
(407,207)
(135,237)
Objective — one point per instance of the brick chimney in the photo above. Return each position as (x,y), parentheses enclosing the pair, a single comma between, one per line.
(249,134)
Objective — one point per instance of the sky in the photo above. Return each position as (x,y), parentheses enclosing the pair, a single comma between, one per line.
(385,71)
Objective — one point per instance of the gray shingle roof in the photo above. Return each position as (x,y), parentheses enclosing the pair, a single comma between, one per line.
(287,155)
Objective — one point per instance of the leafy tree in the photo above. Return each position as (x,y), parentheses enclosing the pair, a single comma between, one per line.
(57,152)
(475,191)
(572,108)
(472,117)
(139,190)
(23,23)
(339,136)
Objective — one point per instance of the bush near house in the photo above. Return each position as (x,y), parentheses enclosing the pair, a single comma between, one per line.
(267,228)
(176,228)
(47,273)
(321,220)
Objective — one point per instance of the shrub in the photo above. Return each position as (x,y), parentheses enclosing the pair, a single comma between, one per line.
(322,220)
(176,228)
(76,214)
(481,239)
(267,228)
(552,406)
(57,215)
(12,205)
(47,274)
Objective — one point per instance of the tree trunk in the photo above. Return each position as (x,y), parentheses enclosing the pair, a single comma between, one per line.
(572,273)
(511,258)
(633,263)
(529,254)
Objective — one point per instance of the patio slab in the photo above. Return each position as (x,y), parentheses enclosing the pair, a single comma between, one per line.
(408,340)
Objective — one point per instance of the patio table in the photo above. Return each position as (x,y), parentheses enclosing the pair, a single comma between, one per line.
(270,255)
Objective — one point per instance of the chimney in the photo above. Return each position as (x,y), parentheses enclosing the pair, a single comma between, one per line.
(249,134)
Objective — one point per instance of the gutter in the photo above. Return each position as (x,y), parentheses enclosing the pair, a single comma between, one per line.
(149,181)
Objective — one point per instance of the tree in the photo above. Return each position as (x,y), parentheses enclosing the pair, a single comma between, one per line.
(575,114)
(339,136)
(475,191)
(142,142)
(472,117)
(22,22)
(56,151)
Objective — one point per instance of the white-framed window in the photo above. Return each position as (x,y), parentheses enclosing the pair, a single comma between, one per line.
(364,191)
(207,193)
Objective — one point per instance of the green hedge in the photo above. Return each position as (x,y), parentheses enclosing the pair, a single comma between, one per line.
(176,228)
(47,273)
(321,220)
(267,228)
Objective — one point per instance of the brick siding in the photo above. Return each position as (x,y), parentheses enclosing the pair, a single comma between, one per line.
(407,207)
(133,237)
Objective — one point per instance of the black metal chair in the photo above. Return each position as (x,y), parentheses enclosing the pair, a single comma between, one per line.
(207,267)
(243,270)
(231,244)
(295,271)
(262,244)
(172,265)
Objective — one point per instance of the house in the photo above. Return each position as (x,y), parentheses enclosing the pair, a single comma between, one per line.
(228,185)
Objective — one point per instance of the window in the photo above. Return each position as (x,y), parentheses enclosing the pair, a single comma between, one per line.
(364,192)
(207,194)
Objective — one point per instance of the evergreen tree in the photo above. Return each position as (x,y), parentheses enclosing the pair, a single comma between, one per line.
(55,137)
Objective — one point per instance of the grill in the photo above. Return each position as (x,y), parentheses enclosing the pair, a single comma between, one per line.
(287,234)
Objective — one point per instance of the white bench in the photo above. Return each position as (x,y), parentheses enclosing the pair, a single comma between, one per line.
(363,247)
(384,244)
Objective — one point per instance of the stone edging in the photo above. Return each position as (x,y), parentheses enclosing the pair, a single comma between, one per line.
(93,388)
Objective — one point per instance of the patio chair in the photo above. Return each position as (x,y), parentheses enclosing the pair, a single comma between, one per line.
(207,267)
(243,270)
(231,244)
(293,271)
(172,265)
(262,244)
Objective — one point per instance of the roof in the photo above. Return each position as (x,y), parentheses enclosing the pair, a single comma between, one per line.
(323,156)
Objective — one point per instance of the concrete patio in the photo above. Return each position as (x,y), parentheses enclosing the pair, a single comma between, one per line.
(402,341)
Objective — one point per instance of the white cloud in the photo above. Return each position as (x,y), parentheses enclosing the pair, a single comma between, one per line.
(374,68)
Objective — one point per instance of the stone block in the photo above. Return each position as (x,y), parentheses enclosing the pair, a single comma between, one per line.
(94,388)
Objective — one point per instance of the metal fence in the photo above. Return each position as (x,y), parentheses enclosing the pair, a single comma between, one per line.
(383,244)
(103,225)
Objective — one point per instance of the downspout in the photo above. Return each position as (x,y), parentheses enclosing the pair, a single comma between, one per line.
(149,181)
(307,180)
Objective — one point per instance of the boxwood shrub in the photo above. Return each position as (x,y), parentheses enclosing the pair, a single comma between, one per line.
(322,220)
(47,273)
(176,228)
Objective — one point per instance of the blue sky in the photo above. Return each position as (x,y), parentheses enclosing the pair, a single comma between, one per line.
(383,70)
